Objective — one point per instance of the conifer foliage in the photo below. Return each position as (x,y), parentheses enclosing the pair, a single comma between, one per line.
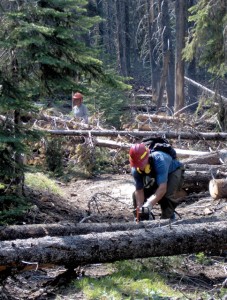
(42,53)
(208,37)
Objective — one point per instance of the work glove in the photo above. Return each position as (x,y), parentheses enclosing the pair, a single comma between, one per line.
(148,205)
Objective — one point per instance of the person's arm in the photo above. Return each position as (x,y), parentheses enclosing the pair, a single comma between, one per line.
(139,197)
(139,192)
(157,196)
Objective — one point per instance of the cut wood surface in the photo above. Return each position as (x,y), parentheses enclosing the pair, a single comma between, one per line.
(14,232)
(72,251)
(218,188)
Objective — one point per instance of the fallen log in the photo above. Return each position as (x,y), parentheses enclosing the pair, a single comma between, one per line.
(213,158)
(197,181)
(113,144)
(198,85)
(206,167)
(72,251)
(14,232)
(141,107)
(140,134)
(141,118)
(201,176)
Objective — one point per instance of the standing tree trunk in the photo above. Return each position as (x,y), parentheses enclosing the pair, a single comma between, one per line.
(180,10)
(153,53)
(165,49)
(121,36)
(191,71)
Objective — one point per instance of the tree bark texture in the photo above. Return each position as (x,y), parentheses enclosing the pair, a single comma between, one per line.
(180,11)
(205,167)
(205,89)
(152,13)
(142,134)
(13,232)
(165,49)
(72,251)
(213,158)
(197,181)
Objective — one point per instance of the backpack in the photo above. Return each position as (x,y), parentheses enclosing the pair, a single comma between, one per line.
(160,144)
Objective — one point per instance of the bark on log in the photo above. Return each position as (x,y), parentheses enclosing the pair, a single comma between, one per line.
(197,181)
(112,144)
(206,167)
(72,251)
(14,232)
(201,176)
(139,134)
(157,118)
(145,108)
(213,158)
(204,88)
(218,188)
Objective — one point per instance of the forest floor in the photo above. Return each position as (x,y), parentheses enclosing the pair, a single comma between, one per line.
(107,198)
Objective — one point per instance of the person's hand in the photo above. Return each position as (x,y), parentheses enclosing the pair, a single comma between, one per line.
(148,205)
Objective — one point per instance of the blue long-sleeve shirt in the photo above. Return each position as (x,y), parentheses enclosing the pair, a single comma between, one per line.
(163,165)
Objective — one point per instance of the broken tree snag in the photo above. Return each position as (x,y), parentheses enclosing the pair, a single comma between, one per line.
(15,232)
(72,251)
(218,188)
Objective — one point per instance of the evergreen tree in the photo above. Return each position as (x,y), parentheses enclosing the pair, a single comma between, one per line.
(43,53)
(208,36)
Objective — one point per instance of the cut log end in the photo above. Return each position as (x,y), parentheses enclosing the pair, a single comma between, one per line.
(218,188)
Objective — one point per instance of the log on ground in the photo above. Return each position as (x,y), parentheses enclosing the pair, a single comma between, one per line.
(14,232)
(72,251)
(198,181)
(140,134)
(213,158)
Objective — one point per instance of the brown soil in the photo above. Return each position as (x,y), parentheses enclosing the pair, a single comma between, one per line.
(107,198)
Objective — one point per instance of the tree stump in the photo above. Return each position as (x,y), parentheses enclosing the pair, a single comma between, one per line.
(218,188)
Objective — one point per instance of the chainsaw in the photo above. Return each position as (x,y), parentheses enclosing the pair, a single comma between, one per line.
(144,214)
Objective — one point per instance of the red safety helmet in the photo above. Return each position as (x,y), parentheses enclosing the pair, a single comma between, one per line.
(78,96)
(138,156)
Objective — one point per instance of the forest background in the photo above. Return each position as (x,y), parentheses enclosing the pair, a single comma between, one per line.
(106,50)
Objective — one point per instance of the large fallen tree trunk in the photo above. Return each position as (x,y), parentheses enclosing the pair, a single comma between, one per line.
(206,167)
(197,181)
(201,176)
(204,88)
(14,232)
(72,251)
(213,158)
(113,144)
(142,134)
